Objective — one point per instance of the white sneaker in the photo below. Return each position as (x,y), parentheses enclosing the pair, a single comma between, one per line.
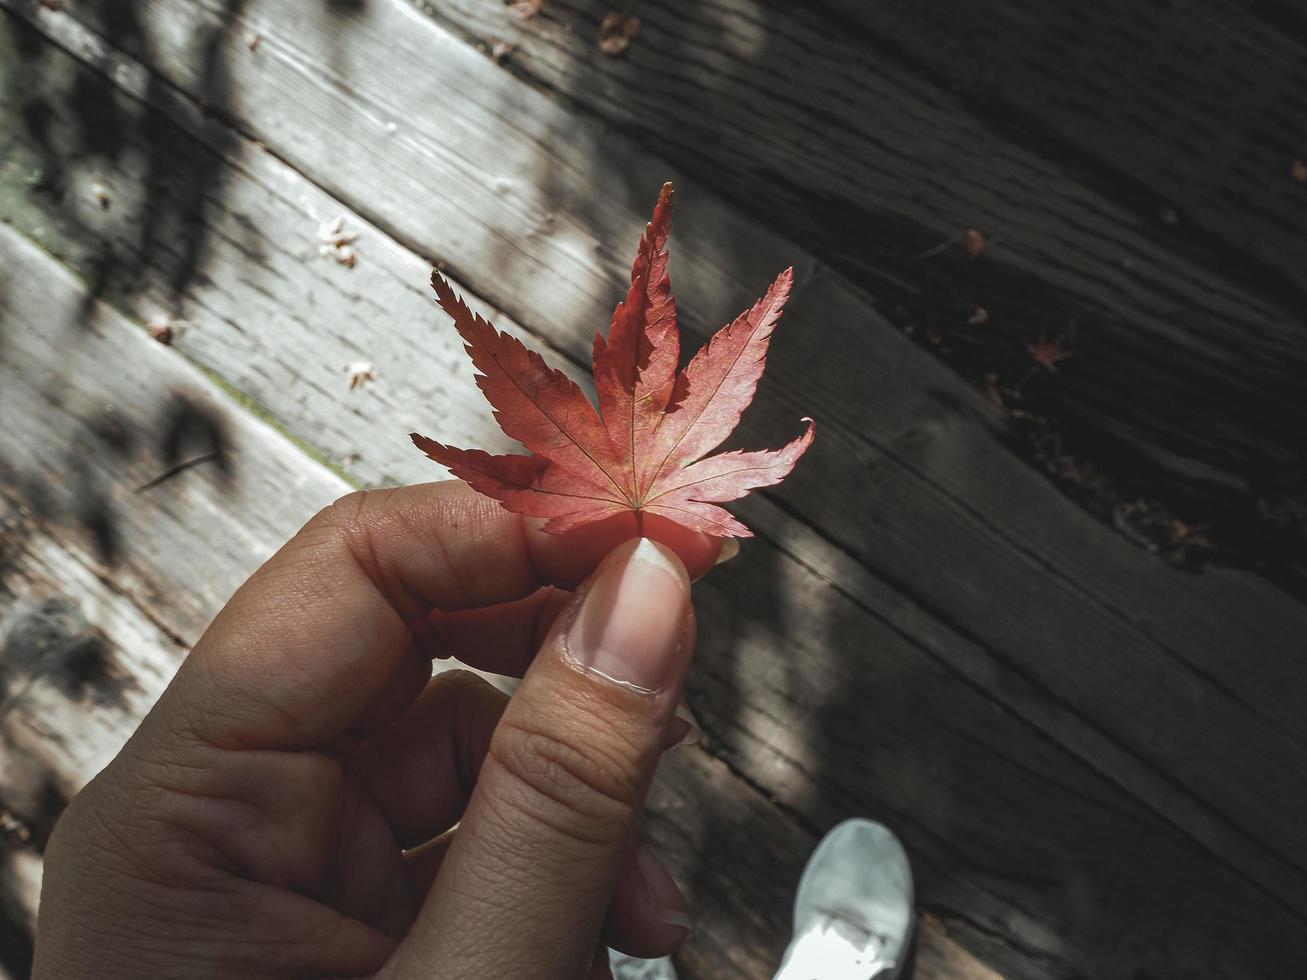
(631,968)
(853,911)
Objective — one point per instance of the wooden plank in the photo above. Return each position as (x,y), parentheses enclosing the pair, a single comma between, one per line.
(82,664)
(1208,104)
(1188,339)
(764,712)
(1207,101)
(89,643)
(1122,653)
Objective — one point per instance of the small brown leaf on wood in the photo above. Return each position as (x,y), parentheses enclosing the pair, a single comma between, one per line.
(359,372)
(993,391)
(974,241)
(1298,169)
(617,32)
(101,193)
(1048,352)
(164,328)
(254,41)
(13,828)
(527,9)
(336,242)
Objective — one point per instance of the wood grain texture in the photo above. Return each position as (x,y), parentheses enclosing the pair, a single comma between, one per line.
(1188,337)
(933,647)
(90,642)
(1202,106)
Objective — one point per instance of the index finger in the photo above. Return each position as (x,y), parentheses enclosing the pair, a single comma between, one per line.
(315,634)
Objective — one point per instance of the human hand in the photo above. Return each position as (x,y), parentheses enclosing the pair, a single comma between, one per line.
(286,808)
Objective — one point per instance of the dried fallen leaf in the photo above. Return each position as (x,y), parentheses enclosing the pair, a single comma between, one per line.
(1298,169)
(253,41)
(992,389)
(12,828)
(1190,534)
(1048,352)
(642,453)
(973,242)
(359,372)
(333,232)
(101,193)
(616,32)
(164,328)
(527,9)
(336,242)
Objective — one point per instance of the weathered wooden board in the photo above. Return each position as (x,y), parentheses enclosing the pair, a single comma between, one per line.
(756,723)
(1189,339)
(90,639)
(81,664)
(1201,106)
(1097,628)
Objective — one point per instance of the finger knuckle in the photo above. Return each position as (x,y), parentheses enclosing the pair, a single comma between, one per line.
(573,784)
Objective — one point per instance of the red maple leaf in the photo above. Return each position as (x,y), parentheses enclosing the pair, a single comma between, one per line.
(642,452)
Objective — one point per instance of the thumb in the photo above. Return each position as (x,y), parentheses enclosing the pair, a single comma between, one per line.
(529,876)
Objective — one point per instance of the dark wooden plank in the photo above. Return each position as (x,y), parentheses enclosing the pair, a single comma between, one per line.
(1184,387)
(748,722)
(1200,107)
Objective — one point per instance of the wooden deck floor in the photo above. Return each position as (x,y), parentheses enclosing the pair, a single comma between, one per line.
(1047,622)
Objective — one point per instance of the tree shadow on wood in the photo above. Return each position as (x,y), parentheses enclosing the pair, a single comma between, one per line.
(1022,848)
(124,188)
(121,193)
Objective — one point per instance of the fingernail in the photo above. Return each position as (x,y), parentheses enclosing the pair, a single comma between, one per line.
(668,902)
(631,623)
(730,548)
